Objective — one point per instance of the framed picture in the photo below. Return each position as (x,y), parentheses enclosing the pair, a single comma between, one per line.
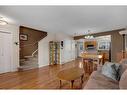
(103,45)
(23,37)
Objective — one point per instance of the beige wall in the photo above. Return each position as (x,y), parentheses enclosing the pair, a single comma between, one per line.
(116,40)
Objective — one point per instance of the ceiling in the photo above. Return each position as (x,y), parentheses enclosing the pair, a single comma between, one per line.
(72,20)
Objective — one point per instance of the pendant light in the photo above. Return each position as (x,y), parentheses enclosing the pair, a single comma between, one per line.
(89,36)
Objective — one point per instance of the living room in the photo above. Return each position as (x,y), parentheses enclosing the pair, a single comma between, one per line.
(47,48)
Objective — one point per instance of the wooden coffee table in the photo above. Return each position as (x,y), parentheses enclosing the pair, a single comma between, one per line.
(71,75)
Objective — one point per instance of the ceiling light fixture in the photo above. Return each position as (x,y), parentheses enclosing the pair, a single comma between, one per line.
(2,21)
(89,36)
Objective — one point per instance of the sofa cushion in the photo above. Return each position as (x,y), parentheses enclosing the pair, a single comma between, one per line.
(99,68)
(111,70)
(122,68)
(123,61)
(123,81)
(99,81)
(123,65)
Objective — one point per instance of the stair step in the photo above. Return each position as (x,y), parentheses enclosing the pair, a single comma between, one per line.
(28,67)
(28,63)
(33,58)
(22,60)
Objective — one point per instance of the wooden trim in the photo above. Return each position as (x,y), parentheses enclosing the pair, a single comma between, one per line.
(32,29)
(99,34)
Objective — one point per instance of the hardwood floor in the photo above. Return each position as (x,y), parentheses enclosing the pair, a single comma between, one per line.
(42,78)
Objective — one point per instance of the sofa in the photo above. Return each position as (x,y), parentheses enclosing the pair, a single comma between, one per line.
(99,81)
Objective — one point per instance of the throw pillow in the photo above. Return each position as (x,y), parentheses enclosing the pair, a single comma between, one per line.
(111,70)
(123,61)
(116,71)
(122,68)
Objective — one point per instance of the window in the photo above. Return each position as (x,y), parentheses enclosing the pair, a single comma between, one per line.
(103,45)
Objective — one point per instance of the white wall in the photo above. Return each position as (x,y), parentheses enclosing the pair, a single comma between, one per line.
(67,53)
(14,30)
(62,36)
(43,50)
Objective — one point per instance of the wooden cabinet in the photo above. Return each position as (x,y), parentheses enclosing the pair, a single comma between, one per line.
(90,45)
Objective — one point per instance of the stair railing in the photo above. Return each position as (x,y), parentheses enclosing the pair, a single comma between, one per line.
(32,55)
(34,52)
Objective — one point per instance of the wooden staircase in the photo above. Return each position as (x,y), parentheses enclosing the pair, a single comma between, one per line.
(29,48)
